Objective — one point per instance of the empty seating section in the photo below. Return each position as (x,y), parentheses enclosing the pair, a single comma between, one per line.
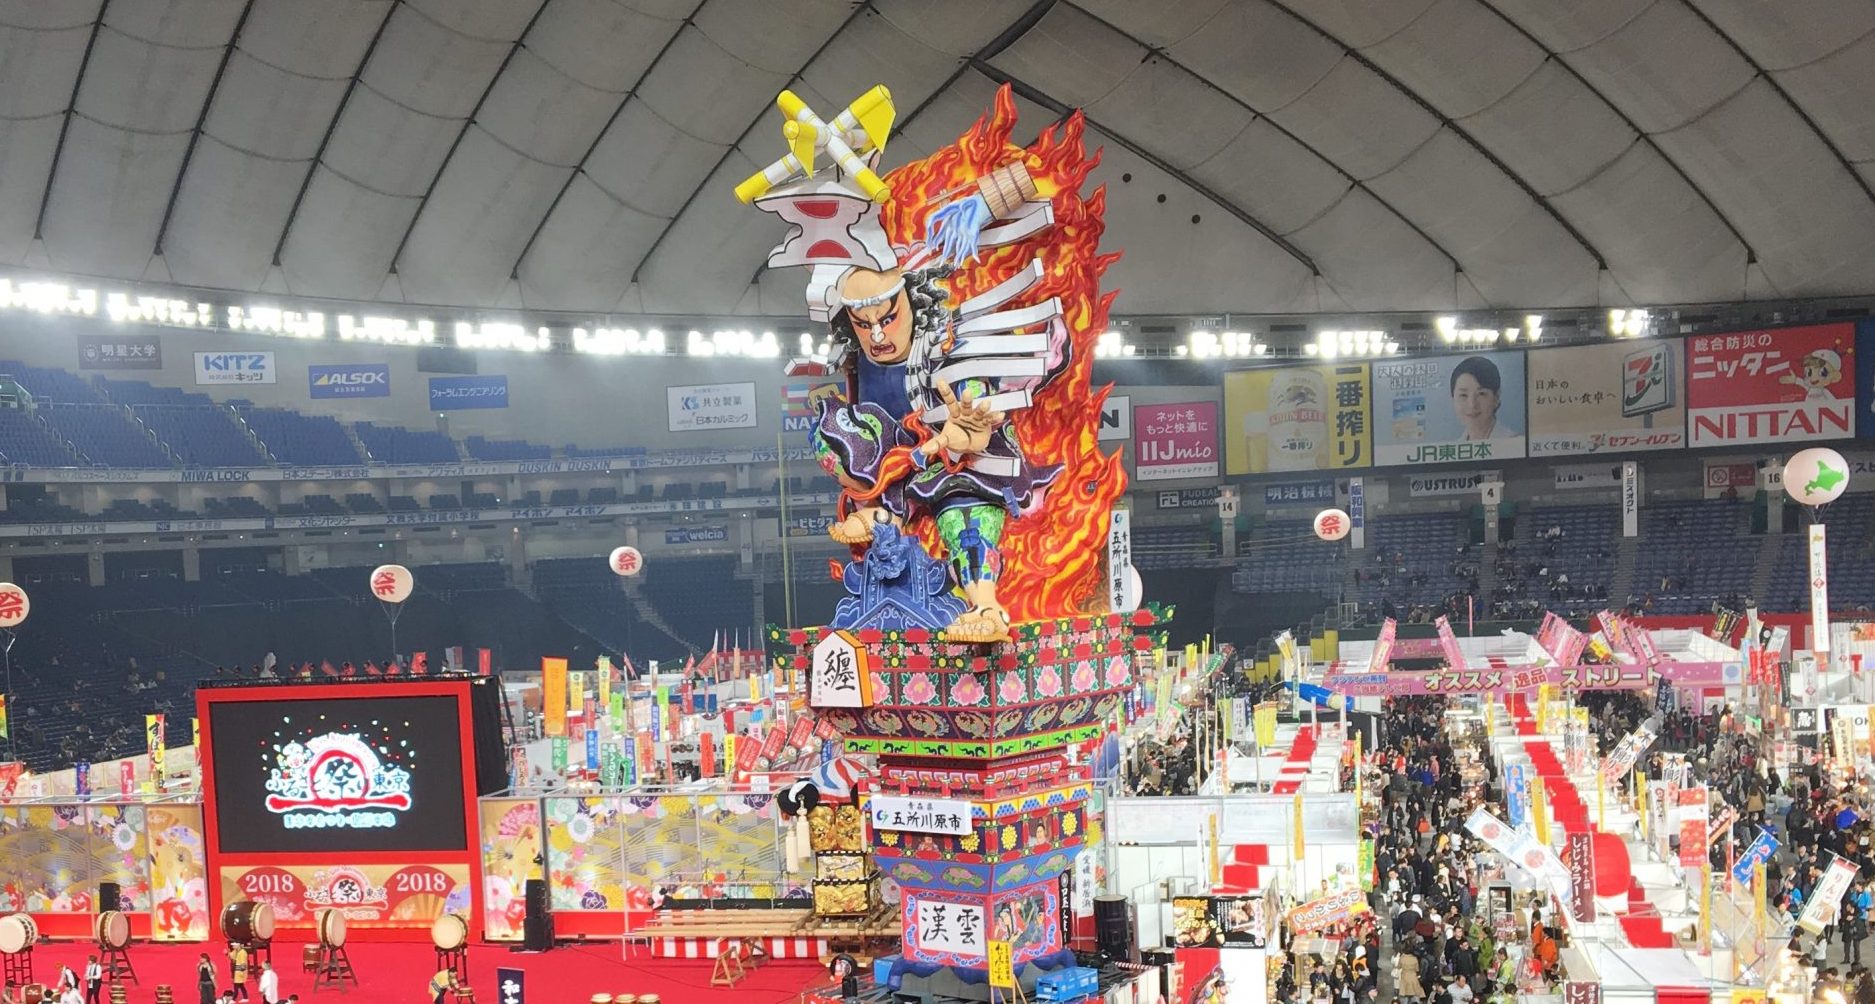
(504,449)
(588,596)
(52,385)
(699,597)
(105,435)
(1409,561)
(1285,556)
(1850,523)
(388,444)
(1156,547)
(293,438)
(1697,552)
(26,439)
(1572,572)
(201,435)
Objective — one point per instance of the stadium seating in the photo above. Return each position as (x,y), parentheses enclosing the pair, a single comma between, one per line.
(25,438)
(1698,551)
(1407,566)
(389,444)
(293,438)
(201,435)
(1850,523)
(479,448)
(105,435)
(1286,556)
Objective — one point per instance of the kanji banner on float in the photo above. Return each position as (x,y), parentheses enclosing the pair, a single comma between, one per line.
(1771,386)
(1820,911)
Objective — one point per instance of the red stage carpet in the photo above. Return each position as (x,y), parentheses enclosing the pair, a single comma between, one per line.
(398,973)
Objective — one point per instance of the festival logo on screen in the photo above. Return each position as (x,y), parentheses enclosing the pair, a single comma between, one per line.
(1772,386)
(350,890)
(337,780)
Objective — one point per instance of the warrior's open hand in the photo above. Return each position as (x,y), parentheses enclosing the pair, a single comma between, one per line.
(968,425)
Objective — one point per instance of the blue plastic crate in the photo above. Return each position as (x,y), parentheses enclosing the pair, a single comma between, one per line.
(1068,984)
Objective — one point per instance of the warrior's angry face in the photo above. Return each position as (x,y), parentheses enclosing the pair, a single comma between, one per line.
(879,312)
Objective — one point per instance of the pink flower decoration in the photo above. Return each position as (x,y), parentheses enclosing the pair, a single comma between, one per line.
(881,686)
(1117,672)
(1048,682)
(1012,690)
(1084,676)
(967,691)
(920,689)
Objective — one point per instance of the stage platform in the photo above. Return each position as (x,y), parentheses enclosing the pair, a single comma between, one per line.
(398,973)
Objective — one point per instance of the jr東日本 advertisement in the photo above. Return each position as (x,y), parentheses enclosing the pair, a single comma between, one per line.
(1615,397)
(1305,418)
(1172,441)
(1449,409)
(1778,386)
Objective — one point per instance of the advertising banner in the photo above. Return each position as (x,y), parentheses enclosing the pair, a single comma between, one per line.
(120,352)
(1561,640)
(1484,681)
(1382,655)
(695,534)
(348,380)
(1612,397)
(236,367)
(1819,589)
(1116,419)
(461,393)
(702,407)
(1448,643)
(1448,409)
(1630,499)
(1820,909)
(1327,911)
(553,689)
(1312,493)
(1693,817)
(1570,476)
(1304,418)
(1175,441)
(1776,386)
(1189,498)
(1432,485)
(1761,850)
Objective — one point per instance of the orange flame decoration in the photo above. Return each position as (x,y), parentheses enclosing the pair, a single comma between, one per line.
(1054,558)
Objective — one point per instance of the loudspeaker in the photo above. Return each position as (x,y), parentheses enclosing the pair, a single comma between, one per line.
(537,924)
(108,896)
(1115,920)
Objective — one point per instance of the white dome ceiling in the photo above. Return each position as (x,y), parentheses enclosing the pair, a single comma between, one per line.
(579,154)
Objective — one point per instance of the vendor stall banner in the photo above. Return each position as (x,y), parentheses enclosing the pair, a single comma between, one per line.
(1173,441)
(1582,992)
(553,696)
(1820,911)
(1382,654)
(1621,759)
(1693,816)
(1449,409)
(1327,911)
(1581,864)
(1480,681)
(1561,640)
(1612,397)
(1775,386)
(1304,418)
(1761,849)
(1448,644)
(1516,793)
(1516,845)
(157,740)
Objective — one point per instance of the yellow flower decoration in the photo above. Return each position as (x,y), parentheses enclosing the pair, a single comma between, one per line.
(889,838)
(1069,824)
(969,842)
(1009,837)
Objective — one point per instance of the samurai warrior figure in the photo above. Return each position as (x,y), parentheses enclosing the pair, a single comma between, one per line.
(925,429)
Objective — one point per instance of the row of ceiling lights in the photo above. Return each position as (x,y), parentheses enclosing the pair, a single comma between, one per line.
(1354,343)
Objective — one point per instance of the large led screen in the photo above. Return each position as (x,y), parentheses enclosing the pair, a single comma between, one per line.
(339,775)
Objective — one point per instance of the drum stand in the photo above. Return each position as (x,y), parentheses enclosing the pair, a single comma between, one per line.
(259,952)
(456,960)
(117,967)
(17,967)
(335,967)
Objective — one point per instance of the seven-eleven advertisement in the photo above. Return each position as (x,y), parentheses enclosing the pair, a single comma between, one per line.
(1777,386)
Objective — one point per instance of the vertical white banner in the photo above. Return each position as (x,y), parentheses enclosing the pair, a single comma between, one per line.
(1122,581)
(1819,590)
(1630,499)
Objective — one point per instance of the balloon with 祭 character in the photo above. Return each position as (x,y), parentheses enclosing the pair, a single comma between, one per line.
(962,295)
